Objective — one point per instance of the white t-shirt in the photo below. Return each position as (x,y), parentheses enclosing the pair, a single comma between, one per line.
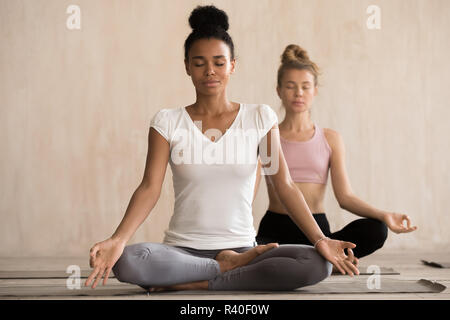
(213,180)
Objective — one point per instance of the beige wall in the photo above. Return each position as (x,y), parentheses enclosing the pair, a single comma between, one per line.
(75,107)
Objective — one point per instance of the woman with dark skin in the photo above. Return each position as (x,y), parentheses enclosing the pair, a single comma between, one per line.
(297,87)
(209,61)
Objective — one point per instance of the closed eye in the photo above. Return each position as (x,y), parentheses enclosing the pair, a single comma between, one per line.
(217,64)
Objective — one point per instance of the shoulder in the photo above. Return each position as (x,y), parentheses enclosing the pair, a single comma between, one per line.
(333,138)
(265,111)
(166,114)
(165,121)
(257,107)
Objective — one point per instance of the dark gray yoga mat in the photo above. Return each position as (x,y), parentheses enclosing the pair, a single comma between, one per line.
(356,286)
(363,271)
(326,287)
(61,274)
(43,274)
(436,264)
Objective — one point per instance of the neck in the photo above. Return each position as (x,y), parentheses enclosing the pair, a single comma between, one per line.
(297,121)
(212,105)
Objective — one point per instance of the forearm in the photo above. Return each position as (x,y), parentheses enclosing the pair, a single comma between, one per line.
(257,180)
(297,208)
(355,205)
(141,203)
(255,191)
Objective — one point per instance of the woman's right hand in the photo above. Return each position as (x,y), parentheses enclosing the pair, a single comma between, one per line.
(333,251)
(103,256)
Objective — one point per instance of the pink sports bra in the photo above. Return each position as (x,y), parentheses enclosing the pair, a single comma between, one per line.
(308,161)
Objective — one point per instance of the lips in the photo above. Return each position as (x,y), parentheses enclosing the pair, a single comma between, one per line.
(211,83)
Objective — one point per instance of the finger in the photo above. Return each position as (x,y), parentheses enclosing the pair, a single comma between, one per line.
(356,262)
(93,251)
(350,255)
(108,271)
(352,267)
(346,264)
(91,262)
(99,277)
(343,267)
(91,276)
(349,244)
(338,266)
(411,229)
(408,221)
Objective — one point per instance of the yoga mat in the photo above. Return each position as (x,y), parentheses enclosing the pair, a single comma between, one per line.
(44,274)
(61,274)
(325,287)
(363,271)
(328,287)
(436,264)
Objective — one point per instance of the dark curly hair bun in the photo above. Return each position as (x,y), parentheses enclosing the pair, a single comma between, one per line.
(208,22)
(207,17)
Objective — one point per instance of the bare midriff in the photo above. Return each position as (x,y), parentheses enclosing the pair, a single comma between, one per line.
(313,193)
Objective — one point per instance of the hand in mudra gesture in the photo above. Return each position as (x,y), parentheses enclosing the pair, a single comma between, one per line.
(103,256)
(333,251)
(394,221)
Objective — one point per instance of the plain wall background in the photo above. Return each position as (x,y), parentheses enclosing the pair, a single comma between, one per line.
(75,107)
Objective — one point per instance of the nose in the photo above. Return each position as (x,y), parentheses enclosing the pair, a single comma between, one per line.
(210,70)
(299,92)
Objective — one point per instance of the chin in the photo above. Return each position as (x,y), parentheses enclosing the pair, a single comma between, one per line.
(298,109)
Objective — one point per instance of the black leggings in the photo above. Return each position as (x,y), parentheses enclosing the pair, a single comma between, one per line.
(369,235)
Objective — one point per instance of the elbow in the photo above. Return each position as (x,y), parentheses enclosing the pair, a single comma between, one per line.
(344,201)
(285,188)
(151,190)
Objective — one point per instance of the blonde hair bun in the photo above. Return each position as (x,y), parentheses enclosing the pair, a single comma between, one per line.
(295,57)
(294,53)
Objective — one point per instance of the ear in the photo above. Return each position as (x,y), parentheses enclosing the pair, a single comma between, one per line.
(233,66)
(278,92)
(316,90)
(186,65)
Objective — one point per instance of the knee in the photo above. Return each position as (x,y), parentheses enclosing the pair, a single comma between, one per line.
(317,267)
(320,268)
(378,233)
(125,269)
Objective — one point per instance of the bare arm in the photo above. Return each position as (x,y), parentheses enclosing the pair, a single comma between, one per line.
(341,184)
(258,179)
(147,194)
(104,255)
(289,194)
(292,199)
(348,200)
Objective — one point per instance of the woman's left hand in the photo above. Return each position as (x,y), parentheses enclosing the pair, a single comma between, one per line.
(334,251)
(394,222)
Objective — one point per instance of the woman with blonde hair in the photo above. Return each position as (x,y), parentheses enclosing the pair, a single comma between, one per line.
(311,152)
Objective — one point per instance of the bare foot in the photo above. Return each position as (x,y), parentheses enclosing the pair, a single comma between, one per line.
(229,259)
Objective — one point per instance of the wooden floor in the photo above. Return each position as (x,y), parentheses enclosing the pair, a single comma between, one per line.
(406,262)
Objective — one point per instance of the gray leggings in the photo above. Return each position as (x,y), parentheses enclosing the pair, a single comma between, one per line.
(287,267)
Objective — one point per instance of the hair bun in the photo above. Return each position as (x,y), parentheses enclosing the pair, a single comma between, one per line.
(294,53)
(203,17)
